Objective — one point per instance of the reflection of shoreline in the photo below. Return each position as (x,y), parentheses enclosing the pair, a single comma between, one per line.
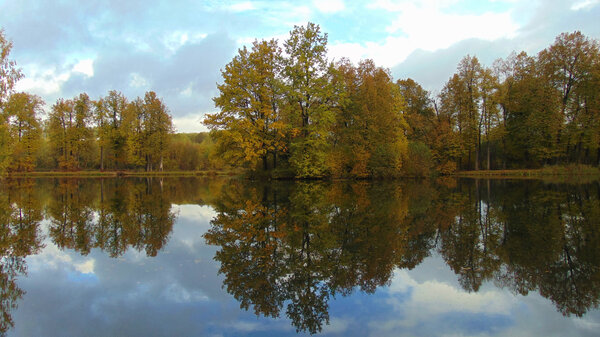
(296,245)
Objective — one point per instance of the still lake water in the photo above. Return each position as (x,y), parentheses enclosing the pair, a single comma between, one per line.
(198,257)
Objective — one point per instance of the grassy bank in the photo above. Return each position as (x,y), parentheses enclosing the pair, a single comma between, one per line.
(573,171)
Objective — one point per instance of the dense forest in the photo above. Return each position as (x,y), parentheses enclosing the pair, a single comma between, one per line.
(286,110)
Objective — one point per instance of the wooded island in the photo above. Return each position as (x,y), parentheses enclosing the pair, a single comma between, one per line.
(286,110)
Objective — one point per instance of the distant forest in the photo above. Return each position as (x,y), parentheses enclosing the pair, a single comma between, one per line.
(286,110)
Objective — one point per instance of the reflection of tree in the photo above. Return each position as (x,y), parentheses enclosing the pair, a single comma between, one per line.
(83,214)
(551,242)
(469,245)
(296,245)
(129,213)
(20,214)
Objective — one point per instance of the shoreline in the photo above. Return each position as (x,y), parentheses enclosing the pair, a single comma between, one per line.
(560,172)
(116,174)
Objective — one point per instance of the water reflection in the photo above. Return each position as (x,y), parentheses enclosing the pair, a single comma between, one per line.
(294,247)
(287,249)
(20,215)
(111,215)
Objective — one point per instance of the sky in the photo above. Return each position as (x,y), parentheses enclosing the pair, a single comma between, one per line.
(177,48)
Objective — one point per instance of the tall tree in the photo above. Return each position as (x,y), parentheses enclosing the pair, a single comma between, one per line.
(70,133)
(310,94)
(109,116)
(418,110)
(462,98)
(248,126)
(58,127)
(23,112)
(9,75)
(568,65)
(370,127)
(83,135)
(159,128)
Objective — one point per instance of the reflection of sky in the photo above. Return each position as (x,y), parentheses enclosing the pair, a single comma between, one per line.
(178,293)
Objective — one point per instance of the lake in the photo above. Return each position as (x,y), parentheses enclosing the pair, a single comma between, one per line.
(222,257)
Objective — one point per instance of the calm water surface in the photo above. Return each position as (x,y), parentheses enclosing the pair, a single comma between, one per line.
(192,257)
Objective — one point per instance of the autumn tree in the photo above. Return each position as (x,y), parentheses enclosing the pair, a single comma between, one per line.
(248,126)
(370,127)
(568,65)
(417,110)
(69,131)
(108,115)
(23,112)
(311,97)
(529,109)
(158,127)
(9,75)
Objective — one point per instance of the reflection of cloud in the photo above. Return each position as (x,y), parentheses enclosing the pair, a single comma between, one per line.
(86,267)
(336,326)
(417,303)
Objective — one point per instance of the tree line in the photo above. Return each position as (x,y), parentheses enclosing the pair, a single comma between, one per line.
(293,112)
(79,133)
(288,111)
(110,133)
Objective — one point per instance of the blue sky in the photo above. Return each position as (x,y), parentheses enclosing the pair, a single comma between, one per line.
(177,48)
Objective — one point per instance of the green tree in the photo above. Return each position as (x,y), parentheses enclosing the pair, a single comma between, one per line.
(568,65)
(310,95)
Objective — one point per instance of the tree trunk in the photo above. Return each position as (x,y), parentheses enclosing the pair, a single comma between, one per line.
(477,150)
(101,158)
(274,159)
(265,163)
(488,155)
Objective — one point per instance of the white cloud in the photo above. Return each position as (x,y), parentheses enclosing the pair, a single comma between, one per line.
(400,5)
(427,26)
(138,81)
(46,82)
(329,6)
(189,123)
(85,67)
(585,4)
(241,6)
